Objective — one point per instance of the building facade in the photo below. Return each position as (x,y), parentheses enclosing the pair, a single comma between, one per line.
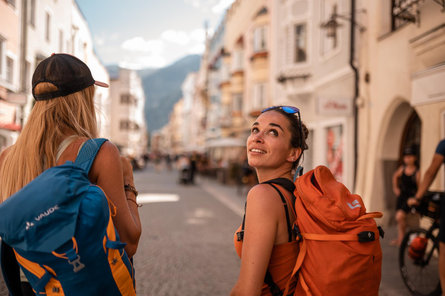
(314,71)
(127,121)
(32,30)
(10,17)
(402,94)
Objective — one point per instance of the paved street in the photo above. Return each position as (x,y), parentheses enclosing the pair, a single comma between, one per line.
(186,246)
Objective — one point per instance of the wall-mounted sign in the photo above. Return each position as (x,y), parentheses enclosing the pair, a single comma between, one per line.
(428,86)
(334,106)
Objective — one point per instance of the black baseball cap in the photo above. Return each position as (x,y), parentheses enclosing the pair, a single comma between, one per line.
(66,72)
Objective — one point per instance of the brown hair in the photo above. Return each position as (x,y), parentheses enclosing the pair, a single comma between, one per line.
(298,137)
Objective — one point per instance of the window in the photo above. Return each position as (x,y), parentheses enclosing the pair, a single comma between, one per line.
(127,99)
(126,125)
(48,24)
(300,43)
(237,104)
(32,12)
(237,63)
(259,39)
(9,70)
(259,95)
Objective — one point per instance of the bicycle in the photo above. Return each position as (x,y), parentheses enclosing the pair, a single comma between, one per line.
(419,251)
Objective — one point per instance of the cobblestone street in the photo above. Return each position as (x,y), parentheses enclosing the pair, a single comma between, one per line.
(186,246)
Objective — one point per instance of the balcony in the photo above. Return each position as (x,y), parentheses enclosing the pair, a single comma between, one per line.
(430,46)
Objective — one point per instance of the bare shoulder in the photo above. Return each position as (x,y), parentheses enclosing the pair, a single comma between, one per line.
(264,194)
(108,150)
(107,159)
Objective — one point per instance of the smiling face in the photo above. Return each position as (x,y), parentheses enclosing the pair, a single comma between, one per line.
(268,146)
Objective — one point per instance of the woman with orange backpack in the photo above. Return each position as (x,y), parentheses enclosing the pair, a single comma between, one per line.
(310,236)
(265,241)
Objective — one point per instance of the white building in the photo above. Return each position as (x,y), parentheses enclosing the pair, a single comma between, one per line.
(127,121)
(313,71)
(82,47)
(402,93)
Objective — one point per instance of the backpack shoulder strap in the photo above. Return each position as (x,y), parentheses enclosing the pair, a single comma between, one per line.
(10,269)
(88,152)
(283,182)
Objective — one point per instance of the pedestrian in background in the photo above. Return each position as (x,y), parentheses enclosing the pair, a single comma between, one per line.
(62,119)
(404,185)
(265,242)
(425,183)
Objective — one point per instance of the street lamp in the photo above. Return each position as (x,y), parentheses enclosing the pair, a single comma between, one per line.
(332,24)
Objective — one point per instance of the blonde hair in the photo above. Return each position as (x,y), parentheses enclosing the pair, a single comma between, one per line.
(49,122)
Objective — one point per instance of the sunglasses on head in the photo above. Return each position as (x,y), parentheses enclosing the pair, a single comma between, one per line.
(290,110)
(287,109)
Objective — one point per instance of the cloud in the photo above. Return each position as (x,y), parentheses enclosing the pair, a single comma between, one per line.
(99,41)
(222,6)
(197,49)
(178,37)
(139,44)
(194,3)
(141,62)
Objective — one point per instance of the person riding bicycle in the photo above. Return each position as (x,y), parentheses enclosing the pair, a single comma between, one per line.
(430,174)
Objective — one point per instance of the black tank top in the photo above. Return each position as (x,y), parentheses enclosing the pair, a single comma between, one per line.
(408,184)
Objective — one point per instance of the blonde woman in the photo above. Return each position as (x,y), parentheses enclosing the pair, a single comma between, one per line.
(62,119)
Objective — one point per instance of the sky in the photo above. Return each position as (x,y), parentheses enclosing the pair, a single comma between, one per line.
(150,33)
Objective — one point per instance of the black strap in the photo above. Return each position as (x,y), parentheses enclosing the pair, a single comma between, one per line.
(285,183)
(240,234)
(10,270)
(274,289)
(286,210)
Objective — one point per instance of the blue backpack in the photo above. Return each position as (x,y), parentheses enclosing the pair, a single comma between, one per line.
(61,230)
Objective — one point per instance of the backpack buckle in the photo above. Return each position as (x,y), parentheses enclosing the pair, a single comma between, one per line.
(77,265)
(366,236)
(296,231)
(240,235)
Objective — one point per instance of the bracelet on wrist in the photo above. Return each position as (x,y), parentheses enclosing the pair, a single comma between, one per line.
(131,188)
(135,202)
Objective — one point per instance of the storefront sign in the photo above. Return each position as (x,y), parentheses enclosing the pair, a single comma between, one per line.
(334,106)
(428,86)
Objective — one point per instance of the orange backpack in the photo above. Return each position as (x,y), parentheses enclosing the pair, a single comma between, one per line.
(340,251)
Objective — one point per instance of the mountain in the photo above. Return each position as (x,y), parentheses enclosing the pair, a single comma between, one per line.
(162,89)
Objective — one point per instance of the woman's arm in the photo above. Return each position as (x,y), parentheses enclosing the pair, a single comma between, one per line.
(111,173)
(262,214)
(395,183)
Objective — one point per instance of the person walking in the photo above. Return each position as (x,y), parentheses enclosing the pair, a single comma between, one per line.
(425,183)
(404,185)
(60,122)
(265,241)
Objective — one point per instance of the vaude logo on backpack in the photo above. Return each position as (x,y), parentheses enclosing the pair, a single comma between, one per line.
(60,227)
(340,252)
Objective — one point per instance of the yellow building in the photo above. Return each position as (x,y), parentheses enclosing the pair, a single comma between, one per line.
(246,44)
(402,92)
